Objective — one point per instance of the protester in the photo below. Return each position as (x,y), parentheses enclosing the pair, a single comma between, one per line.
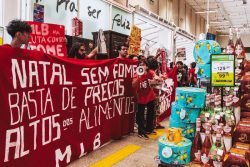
(184,77)
(145,96)
(78,51)
(20,32)
(123,51)
(192,76)
(90,48)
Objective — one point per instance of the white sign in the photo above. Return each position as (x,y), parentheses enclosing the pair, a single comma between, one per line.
(95,16)
(121,21)
(225,66)
(58,12)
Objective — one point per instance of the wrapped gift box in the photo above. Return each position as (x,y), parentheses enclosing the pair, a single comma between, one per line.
(203,71)
(188,129)
(245,114)
(236,157)
(245,102)
(171,153)
(183,114)
(245,84)
(190,97)
(242,132)
(203,49)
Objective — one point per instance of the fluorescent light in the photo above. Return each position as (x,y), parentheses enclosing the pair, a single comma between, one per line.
(207,11)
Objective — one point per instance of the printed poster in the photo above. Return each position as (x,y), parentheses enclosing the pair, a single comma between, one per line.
(38,14)
(135,41)
(49,38)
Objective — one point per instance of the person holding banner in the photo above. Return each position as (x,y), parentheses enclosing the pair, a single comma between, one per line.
(78,51)
(123,51)
(145,95)
(20,32)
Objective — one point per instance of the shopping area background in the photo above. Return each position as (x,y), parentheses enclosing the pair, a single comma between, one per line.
(78,76)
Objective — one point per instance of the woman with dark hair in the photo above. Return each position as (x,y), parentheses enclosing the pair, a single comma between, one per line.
(78,51)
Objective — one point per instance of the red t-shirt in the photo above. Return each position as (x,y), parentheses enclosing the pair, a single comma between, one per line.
(144,92)
(192,73)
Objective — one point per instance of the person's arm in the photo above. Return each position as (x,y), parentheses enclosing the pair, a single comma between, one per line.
(91,54)
(158,53)
(174,61)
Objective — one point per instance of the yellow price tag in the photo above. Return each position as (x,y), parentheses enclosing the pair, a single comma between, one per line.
(1,40)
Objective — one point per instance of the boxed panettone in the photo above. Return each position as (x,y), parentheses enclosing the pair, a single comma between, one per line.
(246,66)
(171,153)
(190,97)
(203,49)
(245,114)
(203,71)
(188,129)
(236,157)
(243,146)
(245,102)
(245,84)
(183,114)
(242,132)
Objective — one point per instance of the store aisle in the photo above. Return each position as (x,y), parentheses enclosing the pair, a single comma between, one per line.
(143,156)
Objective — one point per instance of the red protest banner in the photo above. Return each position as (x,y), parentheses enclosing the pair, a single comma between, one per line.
(49,38)
(55,110)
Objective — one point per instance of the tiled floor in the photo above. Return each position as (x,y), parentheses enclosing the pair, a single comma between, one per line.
(144,157)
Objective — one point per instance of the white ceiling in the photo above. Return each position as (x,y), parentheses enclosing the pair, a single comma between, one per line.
(237,13)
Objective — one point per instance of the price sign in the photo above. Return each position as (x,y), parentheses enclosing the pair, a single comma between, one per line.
(222,70)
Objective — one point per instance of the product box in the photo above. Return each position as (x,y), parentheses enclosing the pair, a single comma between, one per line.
(188,129)
(203,49)
(190,97)
(245,84)
(183,114)
(245,102)
(203,71)
(242,132)
(171,153)
(245,114)
(236,157)
(243,146)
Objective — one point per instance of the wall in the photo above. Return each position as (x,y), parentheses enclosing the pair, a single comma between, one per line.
(122,2)
(153,7)
(9,10)
(203,25)
(193,22)
(1,13)
(197,26)
(182,14)
(175,12)
(223,40)
(163,8)
(188,18)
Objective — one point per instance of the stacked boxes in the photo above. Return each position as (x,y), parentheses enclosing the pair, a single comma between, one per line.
(174,153)
(202,51)
(186,109)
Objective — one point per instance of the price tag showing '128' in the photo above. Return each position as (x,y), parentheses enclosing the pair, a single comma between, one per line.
(222,70)
(222,67)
